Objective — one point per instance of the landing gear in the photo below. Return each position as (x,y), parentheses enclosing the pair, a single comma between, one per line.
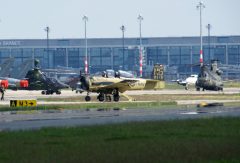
(50,92)
(107,96)
(218,89)
(116,98)
(100,97)
(87,98)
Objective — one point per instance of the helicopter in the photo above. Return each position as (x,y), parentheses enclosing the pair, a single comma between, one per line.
(209,79)
(106,86)
(39,81)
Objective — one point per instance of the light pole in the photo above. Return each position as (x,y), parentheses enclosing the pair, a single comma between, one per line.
(47,29)
(140,18)
(209,28)
(200,6)
(123,50)
(85,19)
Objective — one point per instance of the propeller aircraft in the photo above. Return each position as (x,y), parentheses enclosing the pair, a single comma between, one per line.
(106,86)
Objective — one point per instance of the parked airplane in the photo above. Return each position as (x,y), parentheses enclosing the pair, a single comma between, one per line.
(75,83)
(191,80)
(6,71)
(39,81)
(15,84)
(106,86)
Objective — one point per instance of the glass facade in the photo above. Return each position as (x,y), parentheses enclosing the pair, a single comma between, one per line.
(109,54)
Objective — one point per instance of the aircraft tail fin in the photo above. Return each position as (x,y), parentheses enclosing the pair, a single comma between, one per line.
(6,66)
(21,71)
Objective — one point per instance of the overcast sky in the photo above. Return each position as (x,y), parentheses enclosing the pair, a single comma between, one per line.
(26,19)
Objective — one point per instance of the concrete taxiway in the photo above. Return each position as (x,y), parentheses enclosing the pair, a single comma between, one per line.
(23,94)
(25,120)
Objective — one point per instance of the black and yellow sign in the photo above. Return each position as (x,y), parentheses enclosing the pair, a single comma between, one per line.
(21,103)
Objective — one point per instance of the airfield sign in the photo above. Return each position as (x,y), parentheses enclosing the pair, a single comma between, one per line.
(22,103)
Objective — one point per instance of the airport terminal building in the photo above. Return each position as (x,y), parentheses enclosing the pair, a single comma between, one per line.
(176,53)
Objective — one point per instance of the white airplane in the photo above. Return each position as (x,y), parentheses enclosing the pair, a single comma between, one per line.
(191,80)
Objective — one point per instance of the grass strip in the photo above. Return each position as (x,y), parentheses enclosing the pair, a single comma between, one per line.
(120,105)
(200,140)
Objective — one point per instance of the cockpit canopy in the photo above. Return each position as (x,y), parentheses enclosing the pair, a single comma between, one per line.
(115,74)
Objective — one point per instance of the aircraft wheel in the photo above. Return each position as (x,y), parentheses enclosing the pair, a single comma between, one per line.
(116,98)
(87,98)
(101,97)
(58,92)
(43,92)
(197,89)
(48,92)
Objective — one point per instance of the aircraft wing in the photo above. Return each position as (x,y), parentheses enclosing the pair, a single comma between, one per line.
(154,84)
(122,85)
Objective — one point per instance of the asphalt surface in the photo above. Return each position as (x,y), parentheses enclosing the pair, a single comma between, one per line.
(30,120)
(23,94)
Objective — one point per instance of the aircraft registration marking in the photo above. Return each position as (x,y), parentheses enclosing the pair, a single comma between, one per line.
(137,84)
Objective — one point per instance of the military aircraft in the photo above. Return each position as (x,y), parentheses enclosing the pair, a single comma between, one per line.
(15,84)
(209,79)
(75,83)
(191,80)
(39,81)
(5,75)
(106,86)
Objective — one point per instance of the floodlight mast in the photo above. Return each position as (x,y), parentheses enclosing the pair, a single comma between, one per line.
(85,19)
(47,29)
(140,18)
(123,29)
(209,26)
(201,6)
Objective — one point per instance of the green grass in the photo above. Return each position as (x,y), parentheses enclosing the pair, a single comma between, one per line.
(201,140)
(106,105)
(232,84)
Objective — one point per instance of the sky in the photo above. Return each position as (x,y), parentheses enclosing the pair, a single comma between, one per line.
(26,19)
